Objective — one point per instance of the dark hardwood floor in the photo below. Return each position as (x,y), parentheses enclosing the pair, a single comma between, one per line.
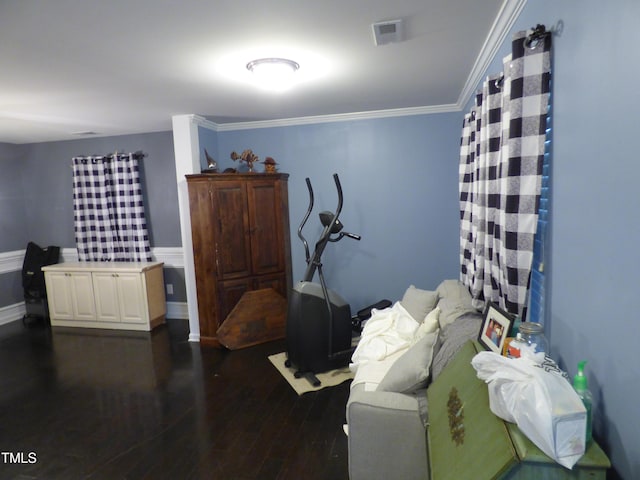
(79,403)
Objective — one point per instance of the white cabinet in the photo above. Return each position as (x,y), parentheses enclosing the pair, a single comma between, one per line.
(127,296)
(71,296)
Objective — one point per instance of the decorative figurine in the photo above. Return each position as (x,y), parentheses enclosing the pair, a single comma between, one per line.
(212,165)
(246,156)
(269,165)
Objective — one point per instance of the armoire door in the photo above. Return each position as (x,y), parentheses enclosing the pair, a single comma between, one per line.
(204,227)
(229,294)
(232,240)
(265,220)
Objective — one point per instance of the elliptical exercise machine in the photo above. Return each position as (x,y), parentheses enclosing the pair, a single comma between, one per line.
(319,321)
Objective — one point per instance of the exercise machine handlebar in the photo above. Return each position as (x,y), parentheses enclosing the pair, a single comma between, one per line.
(345,234)
(332,225)
(304,220)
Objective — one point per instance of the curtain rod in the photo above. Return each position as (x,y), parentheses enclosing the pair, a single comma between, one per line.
(531,41)
(538,33)
(138,155)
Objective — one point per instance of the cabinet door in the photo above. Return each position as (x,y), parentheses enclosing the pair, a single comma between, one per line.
(70,296)
(132,298)
(119,297)
(265,218)
(84,307)
(232,246)
(203,233)
(229,294)
(59,295)
(106,296)
(278,282)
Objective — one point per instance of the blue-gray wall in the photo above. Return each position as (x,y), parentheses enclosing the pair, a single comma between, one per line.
(36,201)
(50,210)
(400,182)
(399,177)
(12,195)
(595,197)
(592,262)
(12,210)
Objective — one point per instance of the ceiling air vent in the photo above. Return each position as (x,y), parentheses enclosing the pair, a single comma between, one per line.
(387,32)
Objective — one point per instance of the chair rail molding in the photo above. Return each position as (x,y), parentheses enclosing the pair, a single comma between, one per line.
(172,257)
(11,262)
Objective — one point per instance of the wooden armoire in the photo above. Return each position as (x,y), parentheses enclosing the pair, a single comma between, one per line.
(241,241)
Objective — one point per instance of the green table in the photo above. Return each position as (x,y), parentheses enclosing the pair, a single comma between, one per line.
(467,441)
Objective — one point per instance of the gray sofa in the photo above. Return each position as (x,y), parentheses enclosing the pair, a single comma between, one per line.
(387,428)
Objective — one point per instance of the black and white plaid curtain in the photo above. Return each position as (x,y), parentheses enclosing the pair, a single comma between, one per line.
(501,158)
(108,209)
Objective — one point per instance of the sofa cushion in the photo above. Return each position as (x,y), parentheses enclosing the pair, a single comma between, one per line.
(452,338)
(419,302)
(454,301)
(410,372)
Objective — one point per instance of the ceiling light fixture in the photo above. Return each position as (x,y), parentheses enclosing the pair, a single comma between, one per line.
(273,73)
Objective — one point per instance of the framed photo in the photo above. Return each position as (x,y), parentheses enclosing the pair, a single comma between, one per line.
(495,328)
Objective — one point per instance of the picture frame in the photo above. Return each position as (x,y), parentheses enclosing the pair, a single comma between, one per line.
(496,325)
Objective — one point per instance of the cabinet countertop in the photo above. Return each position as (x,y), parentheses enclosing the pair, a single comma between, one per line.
(102,266)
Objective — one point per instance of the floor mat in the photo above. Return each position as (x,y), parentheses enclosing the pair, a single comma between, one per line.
(302,385)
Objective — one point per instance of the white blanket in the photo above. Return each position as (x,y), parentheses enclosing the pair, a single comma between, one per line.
(372,372)
(385,337)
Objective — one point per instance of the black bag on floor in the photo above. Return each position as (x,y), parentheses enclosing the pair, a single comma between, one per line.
(35,292)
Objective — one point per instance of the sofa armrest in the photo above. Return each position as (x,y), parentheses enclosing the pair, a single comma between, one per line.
(387,436)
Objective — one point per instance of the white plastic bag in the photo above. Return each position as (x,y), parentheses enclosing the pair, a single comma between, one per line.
(534,393)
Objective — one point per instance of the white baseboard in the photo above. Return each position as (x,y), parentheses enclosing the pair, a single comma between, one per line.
(11,313)
(15,312)
(177,310)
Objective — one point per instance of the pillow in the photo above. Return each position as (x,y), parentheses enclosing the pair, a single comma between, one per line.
(418,302)
(429,325)
(410,372)
(454,301)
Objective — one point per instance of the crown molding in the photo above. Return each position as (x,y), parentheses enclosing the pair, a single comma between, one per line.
(201,121)
(340,117)
(507,16)
(509,13)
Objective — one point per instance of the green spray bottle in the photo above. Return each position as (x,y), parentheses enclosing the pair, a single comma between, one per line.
(580,386)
